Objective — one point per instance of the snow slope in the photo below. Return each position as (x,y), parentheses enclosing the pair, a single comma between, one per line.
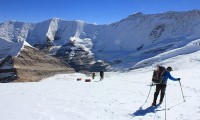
(188,49)
(11,48)
(120,96)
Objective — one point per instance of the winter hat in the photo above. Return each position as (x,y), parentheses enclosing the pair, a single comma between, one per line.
(169,68)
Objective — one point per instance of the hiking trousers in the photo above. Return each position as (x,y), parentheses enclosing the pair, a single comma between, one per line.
(159,88)
(101,77)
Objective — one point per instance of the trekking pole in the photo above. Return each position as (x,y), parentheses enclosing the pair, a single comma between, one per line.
(182,91)
(149,92)
(165,106)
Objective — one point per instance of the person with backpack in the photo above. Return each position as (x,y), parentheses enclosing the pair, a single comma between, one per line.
(161,87)
(93,75)
(101,75)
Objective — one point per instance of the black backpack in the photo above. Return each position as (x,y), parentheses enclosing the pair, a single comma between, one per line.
(158,75)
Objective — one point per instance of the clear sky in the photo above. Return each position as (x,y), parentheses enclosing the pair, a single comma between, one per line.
(91,11)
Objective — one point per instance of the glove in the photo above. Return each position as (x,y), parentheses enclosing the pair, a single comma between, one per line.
(178,79)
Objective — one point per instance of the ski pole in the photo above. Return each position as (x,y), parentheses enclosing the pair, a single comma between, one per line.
(182,91)
(149,92)
(165,106)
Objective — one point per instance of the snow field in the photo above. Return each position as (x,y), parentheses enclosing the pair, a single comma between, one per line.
(120,96)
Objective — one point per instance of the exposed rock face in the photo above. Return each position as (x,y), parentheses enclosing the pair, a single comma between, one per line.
(100,66)
(77,57)
(7,71)
(157,31)
(31,65)
(80,59)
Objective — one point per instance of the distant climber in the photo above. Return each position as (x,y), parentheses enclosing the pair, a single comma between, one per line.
(101,75)
(93,75)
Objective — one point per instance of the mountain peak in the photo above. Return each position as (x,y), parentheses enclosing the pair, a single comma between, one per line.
(55,18)
(136,14)
(10,21)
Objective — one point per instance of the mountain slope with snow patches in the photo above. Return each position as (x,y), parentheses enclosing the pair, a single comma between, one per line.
(190,48)
(121,44)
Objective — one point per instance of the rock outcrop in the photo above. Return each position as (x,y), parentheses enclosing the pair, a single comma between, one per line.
(31,65)
(76,56)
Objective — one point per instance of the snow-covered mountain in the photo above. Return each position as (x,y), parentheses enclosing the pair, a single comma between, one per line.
(120,45)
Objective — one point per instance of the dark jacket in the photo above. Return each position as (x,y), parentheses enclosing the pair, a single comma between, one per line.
(101,73)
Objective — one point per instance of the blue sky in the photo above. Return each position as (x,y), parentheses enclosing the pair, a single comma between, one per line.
(91,11)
